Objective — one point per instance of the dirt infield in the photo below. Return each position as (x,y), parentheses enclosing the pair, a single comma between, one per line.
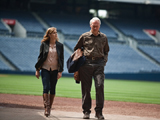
(74,105)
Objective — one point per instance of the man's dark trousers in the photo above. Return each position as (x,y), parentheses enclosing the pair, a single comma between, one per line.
(87,71)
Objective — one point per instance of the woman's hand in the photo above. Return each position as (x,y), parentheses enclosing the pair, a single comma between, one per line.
(37,74)
(59,75)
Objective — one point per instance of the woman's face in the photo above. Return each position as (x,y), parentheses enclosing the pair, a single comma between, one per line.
(53,34)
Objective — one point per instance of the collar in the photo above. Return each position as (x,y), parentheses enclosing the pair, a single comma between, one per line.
(91,34)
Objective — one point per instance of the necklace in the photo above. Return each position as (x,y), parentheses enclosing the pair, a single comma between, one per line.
(52,46)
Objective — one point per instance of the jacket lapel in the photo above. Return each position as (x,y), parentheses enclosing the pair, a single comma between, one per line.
(57,46)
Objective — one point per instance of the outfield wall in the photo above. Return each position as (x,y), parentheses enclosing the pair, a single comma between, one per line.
(123,76)
(135,76)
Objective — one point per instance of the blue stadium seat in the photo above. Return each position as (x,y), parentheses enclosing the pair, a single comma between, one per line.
(152,51)
(66,56)
(4,30)
(123,59)
(27,20)
(3,66)
(21,52)
(70,44)
(74,25)
(135,27)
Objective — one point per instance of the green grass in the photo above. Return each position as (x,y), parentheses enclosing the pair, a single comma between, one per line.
(115,90)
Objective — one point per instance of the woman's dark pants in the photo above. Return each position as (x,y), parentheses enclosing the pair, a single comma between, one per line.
(49,80)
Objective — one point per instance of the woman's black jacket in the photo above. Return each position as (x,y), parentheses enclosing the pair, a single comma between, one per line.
(44,49)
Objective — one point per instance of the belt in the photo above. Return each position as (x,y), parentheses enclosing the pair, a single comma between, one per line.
(94,58)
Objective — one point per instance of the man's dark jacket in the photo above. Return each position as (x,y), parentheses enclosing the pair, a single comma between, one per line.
(74,66)
(44,49)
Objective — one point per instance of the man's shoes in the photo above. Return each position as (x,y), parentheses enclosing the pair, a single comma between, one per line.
(86,115)
(99,116)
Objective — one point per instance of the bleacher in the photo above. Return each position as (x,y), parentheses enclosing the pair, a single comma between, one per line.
(66,56)
(28,21)
(123,59)
(23,52)
(74,25)
(70,44)
(111,34)
(152,51)
(4,66)
(134,27)
(3,29)
(67,24)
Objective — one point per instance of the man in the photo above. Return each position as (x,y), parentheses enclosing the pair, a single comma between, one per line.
(95,49)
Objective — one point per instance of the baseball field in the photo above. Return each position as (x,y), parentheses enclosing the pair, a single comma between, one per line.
(114,90)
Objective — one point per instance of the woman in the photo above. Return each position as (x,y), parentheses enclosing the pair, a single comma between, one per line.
(50,62)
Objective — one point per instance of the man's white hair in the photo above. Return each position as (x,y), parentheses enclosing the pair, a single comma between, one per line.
(95,19)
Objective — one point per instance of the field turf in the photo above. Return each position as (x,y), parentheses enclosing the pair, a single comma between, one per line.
(115,90)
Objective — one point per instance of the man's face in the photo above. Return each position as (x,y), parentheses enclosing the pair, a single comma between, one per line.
(95,27)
